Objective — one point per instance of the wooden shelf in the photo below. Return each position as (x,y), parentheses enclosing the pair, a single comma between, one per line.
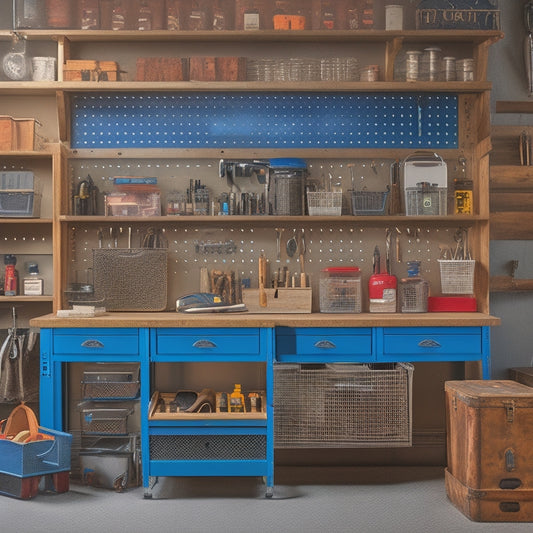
(36,88)
(44,221)
(313,36)
(46,298)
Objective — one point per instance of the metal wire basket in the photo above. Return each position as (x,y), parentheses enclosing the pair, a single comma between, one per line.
(324,203)
(343,405)
(109,383)
(369,202)
(457,276)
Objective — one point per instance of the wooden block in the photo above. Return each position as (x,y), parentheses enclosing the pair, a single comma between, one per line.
(294,300)
(162,69)
(230,68)
(202,68)
(7,132)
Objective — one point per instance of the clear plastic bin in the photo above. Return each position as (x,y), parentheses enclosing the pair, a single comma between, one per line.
(340,290)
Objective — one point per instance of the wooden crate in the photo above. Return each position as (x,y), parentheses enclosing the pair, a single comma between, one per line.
(162,69)
(217,68)
(293,300)
(7,133)
(490,505)
(90,70)
(490,434)
(523,375)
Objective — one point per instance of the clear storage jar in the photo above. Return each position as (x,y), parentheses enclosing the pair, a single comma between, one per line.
(340,290)
(414,290)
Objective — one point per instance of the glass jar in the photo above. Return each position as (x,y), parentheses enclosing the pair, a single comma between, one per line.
(465,69)
(448,70)
(431,63)
(412,65)
(413,290)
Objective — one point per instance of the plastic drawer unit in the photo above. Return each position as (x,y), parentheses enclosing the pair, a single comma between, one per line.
(435,344)
(324,345)
(212,443)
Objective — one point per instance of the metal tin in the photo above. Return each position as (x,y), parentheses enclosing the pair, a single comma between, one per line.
(412,65)
(393,17)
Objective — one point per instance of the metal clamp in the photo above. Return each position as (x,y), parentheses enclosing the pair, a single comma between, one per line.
(204,343)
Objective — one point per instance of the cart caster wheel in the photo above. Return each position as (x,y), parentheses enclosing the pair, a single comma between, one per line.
(269,492)
(147,495)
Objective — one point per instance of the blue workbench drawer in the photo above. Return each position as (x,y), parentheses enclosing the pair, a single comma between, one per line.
(334,344)
(207,342)
(96,341)
(433,342)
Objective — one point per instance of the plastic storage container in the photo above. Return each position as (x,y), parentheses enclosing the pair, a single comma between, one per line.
(340,290)
(287,185)
(413,290)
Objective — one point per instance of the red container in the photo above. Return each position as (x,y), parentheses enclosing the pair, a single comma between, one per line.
(447,304)
(382,290)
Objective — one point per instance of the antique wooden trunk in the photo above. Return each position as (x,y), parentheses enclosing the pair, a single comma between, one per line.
(90,70)
(490,505)
(522,375)
(490,434)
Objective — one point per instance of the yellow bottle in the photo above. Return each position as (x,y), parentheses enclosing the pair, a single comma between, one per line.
(236,400)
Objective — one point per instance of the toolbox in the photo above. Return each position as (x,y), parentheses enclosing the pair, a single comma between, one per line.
(490,505)
(490,434)
(90,70)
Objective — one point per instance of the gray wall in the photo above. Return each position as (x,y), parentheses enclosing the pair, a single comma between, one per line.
(512,342)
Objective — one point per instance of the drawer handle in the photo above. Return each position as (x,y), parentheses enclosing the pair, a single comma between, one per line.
(92,343)
(429,343)
(327,345)
(204,343)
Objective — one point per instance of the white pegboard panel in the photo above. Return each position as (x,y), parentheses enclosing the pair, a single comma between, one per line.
(264,120)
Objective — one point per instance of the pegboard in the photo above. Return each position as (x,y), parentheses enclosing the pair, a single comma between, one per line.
(327,245)
(264,120)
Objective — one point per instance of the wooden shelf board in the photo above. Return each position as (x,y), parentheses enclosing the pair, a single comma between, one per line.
(12,220)
(22,298)
(34,88)
(510,225)
(270,219)
(471,36)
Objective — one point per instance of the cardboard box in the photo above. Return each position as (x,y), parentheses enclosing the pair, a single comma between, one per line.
(19,134)
(90,70)
(7,133)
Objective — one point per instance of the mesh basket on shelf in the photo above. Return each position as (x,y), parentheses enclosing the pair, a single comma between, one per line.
(369,202)
(457,276)
(324,203)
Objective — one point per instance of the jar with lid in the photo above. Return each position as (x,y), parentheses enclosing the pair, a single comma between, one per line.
(413,290)
(465,69)
(412,65)
(431,63)
(448,69)
(340,290)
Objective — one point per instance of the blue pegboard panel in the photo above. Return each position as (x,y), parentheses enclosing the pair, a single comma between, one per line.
(264,120)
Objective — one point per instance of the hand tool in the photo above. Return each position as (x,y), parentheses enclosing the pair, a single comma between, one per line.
(279,233)
(262,278)
(292,245)
(303,277)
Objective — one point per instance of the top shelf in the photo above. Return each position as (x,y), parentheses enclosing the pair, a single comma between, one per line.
(363,36)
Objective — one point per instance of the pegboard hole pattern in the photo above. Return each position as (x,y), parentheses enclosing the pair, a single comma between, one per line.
(264,120)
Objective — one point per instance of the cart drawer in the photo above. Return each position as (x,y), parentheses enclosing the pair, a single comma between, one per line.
(98,341)
(208,342)
(329,342)
(433,341)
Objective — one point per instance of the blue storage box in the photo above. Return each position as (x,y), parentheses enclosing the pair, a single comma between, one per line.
(36,458)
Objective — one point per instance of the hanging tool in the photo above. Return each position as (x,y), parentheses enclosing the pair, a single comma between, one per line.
(262,280)
(528,45)
(13,346)
(303,276)
(279,233)
(395,199)
(292,244)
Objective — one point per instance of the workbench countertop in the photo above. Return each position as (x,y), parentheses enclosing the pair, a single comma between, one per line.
(249,320)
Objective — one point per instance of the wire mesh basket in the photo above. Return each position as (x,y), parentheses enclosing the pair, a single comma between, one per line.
(287,193)
(100,418)
(109,383)
(369,202)
(324,203)
(426,200)
(457,276)
(131,279)
(343,405)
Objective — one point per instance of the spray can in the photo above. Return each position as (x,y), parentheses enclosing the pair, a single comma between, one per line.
(11,275)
